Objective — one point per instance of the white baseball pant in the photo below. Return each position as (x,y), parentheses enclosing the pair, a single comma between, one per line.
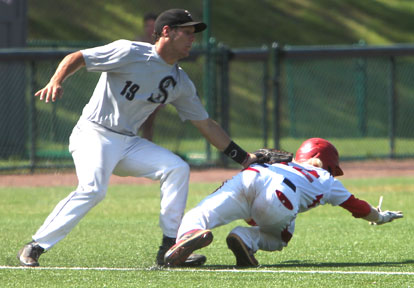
(97,153)
(246,196)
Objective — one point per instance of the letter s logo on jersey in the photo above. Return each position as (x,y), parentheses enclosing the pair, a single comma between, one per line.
(162,95)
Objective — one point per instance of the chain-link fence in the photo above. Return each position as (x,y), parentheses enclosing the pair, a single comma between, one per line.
(359,98)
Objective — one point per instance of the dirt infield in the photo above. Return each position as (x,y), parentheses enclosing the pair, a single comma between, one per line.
(365,169)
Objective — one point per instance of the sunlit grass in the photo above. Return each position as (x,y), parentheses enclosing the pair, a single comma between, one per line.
(123,231)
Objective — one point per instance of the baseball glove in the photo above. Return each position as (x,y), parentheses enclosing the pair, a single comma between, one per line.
(271,156)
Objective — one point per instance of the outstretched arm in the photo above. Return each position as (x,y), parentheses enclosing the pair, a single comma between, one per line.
(221,140)
(373,215)
(361,209)
(69,65)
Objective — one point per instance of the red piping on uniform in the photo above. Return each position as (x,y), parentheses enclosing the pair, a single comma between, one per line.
(251,169)
(285,201)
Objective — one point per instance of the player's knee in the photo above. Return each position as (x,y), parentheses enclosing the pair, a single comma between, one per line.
(184,167)
(177,171)
(99,196)
(180,167)
(91,194)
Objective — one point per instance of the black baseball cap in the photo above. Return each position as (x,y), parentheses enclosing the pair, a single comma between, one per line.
(177,18)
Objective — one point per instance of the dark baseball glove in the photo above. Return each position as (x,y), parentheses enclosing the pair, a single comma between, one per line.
(271,156)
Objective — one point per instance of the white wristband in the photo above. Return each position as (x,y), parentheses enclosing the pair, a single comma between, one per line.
(380,218)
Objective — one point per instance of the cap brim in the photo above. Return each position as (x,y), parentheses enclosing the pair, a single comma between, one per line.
(199,26)
(338,171)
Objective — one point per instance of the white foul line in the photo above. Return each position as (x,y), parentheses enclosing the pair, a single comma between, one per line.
(210,270)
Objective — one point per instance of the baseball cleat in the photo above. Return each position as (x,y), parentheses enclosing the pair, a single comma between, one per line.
(190,241)
(29,254)
(244,255)
(167,243)
(193,260)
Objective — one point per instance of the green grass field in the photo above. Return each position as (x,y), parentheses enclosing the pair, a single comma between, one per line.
(116,243)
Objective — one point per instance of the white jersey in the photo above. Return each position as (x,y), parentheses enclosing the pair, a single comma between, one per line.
(269,197)
(134,81)
(314,186)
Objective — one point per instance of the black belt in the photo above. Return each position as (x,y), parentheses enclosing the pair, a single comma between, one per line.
(290,184)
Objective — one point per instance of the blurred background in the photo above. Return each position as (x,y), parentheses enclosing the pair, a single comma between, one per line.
(273,73)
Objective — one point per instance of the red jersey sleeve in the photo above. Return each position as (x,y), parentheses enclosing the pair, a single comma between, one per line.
(358,208)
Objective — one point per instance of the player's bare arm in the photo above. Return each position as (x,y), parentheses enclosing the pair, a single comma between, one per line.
(69,65)
(219,138)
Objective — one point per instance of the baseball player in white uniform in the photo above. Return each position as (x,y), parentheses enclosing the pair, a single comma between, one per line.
(136,78)
(269,197)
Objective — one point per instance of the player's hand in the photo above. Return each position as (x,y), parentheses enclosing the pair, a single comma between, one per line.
(50,92)
(388,216)
(251,158)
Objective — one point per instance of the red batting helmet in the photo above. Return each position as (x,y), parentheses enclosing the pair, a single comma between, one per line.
(322,149)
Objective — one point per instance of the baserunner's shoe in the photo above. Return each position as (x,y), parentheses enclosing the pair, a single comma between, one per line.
(193,260)
(189,242)
(244,255)
(29,254)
